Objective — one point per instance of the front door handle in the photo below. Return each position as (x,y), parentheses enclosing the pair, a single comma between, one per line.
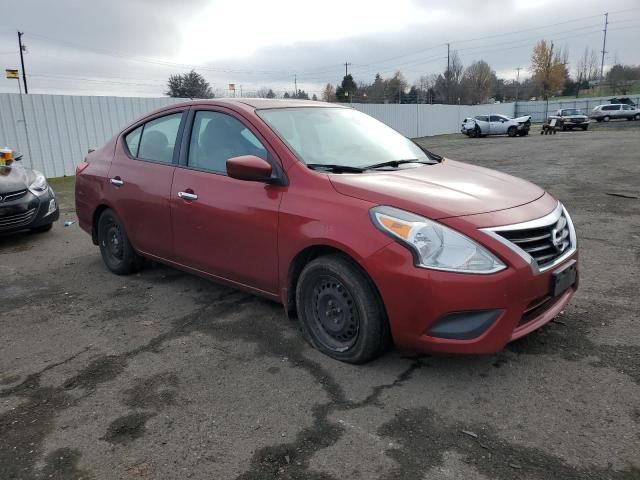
(187,196)
(117,181)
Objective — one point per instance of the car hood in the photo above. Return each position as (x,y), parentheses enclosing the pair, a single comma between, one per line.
(447,189)
(523,119)
(15,178)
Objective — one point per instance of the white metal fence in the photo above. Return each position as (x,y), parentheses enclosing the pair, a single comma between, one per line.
(61,128)
(422,120)
(540,110)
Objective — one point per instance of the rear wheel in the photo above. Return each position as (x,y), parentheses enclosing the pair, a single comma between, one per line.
(584,127)
(637,116)
(115,247)
(606,118)
(512,131)
(340,311)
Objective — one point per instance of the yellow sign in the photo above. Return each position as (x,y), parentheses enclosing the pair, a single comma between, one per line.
(11,73)
(232,87)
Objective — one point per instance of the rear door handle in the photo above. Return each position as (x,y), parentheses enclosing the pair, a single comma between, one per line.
(117,181)
(187,196)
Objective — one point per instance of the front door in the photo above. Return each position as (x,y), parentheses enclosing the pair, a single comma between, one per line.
(140,179)
(223,226)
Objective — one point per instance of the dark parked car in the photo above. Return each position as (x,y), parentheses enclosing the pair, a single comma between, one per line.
(570,118)
(366,236)
(27,202)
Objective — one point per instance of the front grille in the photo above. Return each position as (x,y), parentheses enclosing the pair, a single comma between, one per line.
(544,243)
(18,220)
(8,197)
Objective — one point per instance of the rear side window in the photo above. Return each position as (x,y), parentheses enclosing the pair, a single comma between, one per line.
(217,137)
(627,107)
(133,141)
(158,138)
(610,107)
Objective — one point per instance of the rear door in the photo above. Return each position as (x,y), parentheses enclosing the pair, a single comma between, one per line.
(223,226)
(140,179)
(483,122)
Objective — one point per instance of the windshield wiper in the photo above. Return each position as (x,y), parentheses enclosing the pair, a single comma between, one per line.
(396,163)
(335,168)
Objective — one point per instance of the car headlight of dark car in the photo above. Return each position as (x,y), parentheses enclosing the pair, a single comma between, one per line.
(39,184)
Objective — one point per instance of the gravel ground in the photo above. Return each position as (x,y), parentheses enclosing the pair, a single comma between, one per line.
(164,375)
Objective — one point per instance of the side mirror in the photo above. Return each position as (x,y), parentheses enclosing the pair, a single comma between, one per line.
(18,156)
(250,168)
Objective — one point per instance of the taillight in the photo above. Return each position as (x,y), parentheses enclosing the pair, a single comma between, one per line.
(81,166)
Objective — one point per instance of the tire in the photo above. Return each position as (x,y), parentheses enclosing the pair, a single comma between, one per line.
(584,127)
(512,131)
(340,311)
(564,128)
(637,116)
(116,250)
(42,228)
(606,118)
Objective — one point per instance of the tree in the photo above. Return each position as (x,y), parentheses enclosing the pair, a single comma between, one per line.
(329,93)
(286,95)
(453,79)
(346,89)
(478,82)
(314,98)
(549,72)
(270,94)
(189,85)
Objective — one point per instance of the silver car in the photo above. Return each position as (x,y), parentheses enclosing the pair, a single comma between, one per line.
(604,113)
(482,125)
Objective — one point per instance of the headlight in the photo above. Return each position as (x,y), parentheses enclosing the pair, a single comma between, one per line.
(434,245)
(39,185)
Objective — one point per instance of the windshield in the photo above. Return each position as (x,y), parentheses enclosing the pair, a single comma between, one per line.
(571,111)
(339,136)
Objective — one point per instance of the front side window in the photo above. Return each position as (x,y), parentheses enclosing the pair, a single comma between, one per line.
(216,137)
(159,138)
(496,118)
(133,141)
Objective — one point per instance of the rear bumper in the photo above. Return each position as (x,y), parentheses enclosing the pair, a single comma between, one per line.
(28,212)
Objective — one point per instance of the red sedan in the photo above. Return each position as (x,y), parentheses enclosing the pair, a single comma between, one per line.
(368,238)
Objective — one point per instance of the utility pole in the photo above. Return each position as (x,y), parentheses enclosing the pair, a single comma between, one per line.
(604,46)
(295,85)
(518,83)
(22,48)
(346,68)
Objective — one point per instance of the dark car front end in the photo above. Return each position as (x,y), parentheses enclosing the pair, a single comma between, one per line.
(27,202)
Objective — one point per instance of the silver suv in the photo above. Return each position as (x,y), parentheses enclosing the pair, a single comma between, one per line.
(604,113)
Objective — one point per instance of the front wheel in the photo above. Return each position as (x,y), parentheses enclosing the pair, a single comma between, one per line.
(584,127)
(340,311)
(637,116)
(116,249)
(512,131)
(606,119)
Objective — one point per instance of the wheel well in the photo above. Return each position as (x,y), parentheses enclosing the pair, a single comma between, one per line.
(302,259)
(94,223)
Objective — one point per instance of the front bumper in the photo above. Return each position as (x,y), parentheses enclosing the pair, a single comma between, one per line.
(437,311)
(28,211)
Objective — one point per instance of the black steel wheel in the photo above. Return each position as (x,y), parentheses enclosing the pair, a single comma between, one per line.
(340,311)
(512,131)
(115,248)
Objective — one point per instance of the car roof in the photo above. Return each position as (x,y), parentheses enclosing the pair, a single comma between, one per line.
(260,103)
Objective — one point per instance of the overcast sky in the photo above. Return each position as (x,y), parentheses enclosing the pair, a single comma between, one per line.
(130,47)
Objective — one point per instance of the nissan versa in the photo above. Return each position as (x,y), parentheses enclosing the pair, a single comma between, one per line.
(368,238)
